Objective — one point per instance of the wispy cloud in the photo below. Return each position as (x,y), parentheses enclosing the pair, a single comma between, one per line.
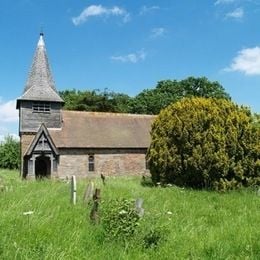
(99,10)
(247,61)
(220,2)
(238,13)
(8,112)
(147,9)
(157,32)
(8,118)
(131,57)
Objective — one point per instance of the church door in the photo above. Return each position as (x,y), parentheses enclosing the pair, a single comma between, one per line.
(42,167)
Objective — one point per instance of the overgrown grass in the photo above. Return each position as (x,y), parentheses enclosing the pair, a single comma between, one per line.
(197,224)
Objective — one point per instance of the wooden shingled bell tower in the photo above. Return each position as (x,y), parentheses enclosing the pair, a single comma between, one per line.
(39,110)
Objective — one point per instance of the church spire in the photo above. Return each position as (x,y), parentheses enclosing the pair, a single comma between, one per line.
(40,85)
(41,41)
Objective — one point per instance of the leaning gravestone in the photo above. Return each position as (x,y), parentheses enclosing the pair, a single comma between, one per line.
(94,216)
(89,192)
(139,207)
(73,190)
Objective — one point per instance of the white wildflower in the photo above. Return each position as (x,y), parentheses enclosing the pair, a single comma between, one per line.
(28,213)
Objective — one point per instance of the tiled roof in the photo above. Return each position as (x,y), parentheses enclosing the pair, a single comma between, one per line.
(40,85)
(102,130)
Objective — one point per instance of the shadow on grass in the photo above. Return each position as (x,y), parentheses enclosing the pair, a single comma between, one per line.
(147,182)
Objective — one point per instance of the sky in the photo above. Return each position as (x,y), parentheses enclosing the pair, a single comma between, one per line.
(127,46)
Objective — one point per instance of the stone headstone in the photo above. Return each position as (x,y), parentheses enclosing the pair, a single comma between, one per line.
(89,192)
(103,178)
(73,190)
(139,207)
(94,216)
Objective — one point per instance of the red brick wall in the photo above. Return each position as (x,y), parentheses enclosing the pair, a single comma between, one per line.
(110,162)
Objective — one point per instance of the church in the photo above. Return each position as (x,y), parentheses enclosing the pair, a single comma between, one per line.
(56,143)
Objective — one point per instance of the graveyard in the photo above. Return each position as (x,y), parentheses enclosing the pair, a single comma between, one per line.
(42,220)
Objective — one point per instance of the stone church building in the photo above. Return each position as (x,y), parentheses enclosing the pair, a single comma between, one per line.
(59,143)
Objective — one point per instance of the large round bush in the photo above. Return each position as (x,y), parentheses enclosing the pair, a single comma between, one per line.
(205,143)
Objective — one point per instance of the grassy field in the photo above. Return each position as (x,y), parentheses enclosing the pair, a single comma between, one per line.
(196,224)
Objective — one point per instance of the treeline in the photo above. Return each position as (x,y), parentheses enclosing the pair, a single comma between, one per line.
(149,101)
(10,153)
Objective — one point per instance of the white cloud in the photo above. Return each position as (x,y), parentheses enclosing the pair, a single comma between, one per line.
(8,112)
(8,119)
(246,61)
(157,32)
(99,10)
(131,57)
(147,9)
(220,2)
(236,14)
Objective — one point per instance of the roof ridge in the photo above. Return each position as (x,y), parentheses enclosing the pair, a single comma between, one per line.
(94,113)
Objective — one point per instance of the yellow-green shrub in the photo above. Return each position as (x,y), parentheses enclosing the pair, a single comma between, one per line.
(205,143)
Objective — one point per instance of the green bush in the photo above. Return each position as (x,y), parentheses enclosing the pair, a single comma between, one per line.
(155,236)
(120,219)
(10,153)
(205,143)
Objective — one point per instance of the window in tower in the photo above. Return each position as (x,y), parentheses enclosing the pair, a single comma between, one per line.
(41,107)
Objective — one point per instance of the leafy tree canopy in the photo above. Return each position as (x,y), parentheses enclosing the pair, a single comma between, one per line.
(199,142)
(149,101)
(96,101)
(10,153)
(169,91)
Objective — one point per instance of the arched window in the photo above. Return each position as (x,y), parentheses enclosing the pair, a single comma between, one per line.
(91,163)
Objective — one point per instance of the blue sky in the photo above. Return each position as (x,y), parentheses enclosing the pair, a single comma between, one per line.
(127,46)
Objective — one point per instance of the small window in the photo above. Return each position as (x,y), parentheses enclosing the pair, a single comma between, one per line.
(41,107)
(91,163)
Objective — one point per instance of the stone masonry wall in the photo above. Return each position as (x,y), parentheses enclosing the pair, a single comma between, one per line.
(112,162)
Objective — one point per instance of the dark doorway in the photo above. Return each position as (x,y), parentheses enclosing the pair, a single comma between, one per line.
(42,167)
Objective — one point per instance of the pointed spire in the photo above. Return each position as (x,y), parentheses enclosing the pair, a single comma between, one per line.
(40,85)
(41,41)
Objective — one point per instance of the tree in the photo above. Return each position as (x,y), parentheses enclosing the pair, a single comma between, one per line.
(149,101)
(95,100)
(168,91)
(205,143)
(10,153)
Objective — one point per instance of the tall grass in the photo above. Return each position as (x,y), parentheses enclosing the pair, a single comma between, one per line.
(197,224)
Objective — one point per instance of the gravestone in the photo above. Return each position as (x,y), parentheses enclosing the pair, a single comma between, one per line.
(103,178)
(139,207)
(89,192)
(73,190)
(94,217)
